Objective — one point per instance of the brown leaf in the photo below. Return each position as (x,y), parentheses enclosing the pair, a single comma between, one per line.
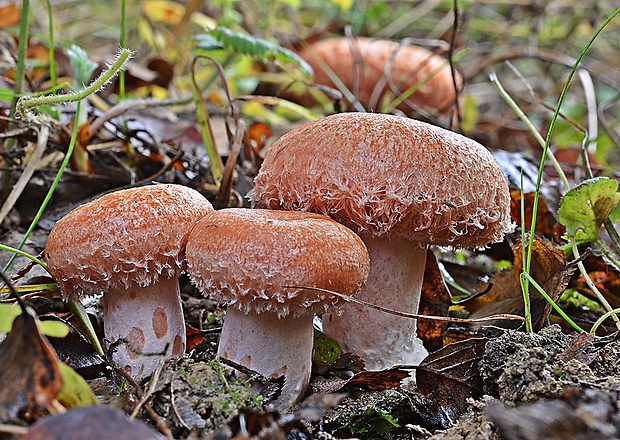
(195,337)
(546,223)
(548,268)
(580,348)
(29,371)
(378,380)
(435,301)
(366,380)
(91,423)
(450,376)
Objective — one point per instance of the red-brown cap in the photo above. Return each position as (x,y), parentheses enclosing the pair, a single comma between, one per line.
(361,65)
(389,175)
(246,257)
(125,237)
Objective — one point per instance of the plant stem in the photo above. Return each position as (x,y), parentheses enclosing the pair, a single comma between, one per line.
(26,103)
(50,192)
(550,301)
(23,254)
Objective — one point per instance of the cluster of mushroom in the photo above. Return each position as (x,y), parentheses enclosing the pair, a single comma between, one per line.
(402,185)
(268,266)
(350,204)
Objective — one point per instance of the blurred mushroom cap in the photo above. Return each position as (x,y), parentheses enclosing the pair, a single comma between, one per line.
(364,66)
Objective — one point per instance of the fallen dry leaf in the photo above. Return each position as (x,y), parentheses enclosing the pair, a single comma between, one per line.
(450,376)
(435,301)
(91,423)
(29,371)
(548,268)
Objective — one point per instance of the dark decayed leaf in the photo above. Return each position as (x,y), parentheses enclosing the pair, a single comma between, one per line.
(435,301)
(91,423)
(580,414)
(75,351)
(450,376)
(580,348)
(29,371)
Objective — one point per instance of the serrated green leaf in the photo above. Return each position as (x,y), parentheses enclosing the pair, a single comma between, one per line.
(75,391)
(255,47)
(207,42)
(584,208)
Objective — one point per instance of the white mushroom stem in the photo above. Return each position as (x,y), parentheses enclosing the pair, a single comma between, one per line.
(150,319)
(272,347)
(381,339)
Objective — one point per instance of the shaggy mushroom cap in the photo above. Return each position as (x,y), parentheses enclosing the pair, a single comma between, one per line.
(127,237)
(361,64)
(385,175)
(246,257)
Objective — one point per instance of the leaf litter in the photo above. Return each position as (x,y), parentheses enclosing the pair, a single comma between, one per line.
(497,383)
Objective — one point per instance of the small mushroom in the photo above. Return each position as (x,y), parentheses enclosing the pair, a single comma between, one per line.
(402,185)
(374,69)
(258,263)
(130,246)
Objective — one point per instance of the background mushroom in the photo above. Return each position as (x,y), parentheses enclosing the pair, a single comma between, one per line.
(373,69)
(130,246)
(246,258)
(401,185)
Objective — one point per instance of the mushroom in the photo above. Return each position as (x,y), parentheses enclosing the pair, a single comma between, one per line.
(402,185)
(130,246)
(258,262)
(376,69)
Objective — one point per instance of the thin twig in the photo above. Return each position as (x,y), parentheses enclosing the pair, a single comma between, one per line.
(347,298)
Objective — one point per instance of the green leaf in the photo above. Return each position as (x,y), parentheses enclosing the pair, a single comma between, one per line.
(6,95)
(584,208)
(82,67)
(8,313)
(54,329)
(224,38)
(75,391)
(326,350)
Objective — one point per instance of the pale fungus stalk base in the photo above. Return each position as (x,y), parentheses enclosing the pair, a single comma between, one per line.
(383,340)
(272,347)
(150,319)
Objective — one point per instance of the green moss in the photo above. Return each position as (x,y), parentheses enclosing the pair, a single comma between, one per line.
(373,421)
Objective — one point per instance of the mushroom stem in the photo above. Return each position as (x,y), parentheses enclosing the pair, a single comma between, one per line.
(150,319)
(272,347)
(383,340)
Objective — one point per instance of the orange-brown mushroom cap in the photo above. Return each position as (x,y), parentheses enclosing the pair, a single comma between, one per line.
(246,257)
(385,175)
(361,64)
(131,236)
